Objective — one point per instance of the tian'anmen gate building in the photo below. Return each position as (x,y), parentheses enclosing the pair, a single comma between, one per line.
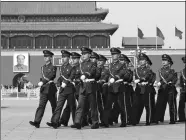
(30,27)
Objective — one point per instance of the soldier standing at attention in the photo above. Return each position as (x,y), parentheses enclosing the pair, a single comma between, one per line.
(181,113)
(167,91)
(115,94)
(75,57)
(67,90)
(102,85)
(48,89)
(87,90)
(142,76)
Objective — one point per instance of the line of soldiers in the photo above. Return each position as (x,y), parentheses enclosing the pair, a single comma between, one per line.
(97,95)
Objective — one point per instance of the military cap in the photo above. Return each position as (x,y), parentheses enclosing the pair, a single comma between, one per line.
(124,58)
(168,58)
(102,58)
(75,55)
(65,53)
(94,55)
(183,59)
(143,56)
(115,51)
(47,53)
(149,61)
(85,50)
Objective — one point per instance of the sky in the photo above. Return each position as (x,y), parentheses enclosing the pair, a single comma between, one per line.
(146,15)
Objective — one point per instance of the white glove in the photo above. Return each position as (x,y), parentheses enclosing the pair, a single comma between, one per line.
(159,84)
(40,84)
(63,85)
(82,77)
(137,81)
(73,83)
(111,80)
(125,83)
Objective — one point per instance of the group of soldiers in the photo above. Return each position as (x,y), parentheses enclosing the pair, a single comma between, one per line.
(96,95)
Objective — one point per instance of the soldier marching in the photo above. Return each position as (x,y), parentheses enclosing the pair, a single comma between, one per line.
(97,95)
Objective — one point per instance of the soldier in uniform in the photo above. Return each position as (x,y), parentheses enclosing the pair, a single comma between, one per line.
(151,90)
(102,86)
(87,114)
(127,91)
(75,63)
(114,93)
(142,76)
(181,107)
(67,89)
(48,89)
(87,90)
(167,91)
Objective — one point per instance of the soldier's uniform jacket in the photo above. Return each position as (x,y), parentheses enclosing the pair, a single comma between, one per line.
(128,75)
(143,74)
(167,75)
(116,72)
(103,78)
(77,80)
(88,69)
(183,80)
(152,78)
(48,74)
(67,75)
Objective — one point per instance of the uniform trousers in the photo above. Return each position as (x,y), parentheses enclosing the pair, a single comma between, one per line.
(60,103)
(44,98)
(166,95)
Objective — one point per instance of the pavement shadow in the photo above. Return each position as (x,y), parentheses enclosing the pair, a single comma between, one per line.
(3,107)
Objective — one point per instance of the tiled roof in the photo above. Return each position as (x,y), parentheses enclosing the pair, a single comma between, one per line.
(58,26)
(127,41)
(51,8)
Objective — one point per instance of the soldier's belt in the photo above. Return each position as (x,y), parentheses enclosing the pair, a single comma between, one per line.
(89,80)
(119,80)
(51,81)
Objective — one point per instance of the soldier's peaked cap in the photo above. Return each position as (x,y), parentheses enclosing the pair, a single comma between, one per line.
(115,51)
(167,57)
(85,50)
(75,55)
(149,61)
(183,59)
(143,56)
(65,53)
(47,53)
(102,58)
(124,57)
(94,55)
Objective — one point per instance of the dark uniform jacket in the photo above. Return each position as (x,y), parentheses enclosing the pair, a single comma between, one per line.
(116,72)
(167,75)
(144,75)
(102,79)
(88,69)
(67,75)
(77,80)
(48,74)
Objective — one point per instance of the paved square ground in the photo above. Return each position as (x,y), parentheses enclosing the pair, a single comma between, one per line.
(16,114)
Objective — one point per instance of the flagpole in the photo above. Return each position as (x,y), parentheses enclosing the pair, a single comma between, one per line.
(156,38)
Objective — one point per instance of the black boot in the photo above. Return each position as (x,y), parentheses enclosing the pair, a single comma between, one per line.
(95,126)
(37,125)
(123,125)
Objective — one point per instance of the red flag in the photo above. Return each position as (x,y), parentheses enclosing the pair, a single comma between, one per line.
(178,33)
(159,33)
(140,33)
